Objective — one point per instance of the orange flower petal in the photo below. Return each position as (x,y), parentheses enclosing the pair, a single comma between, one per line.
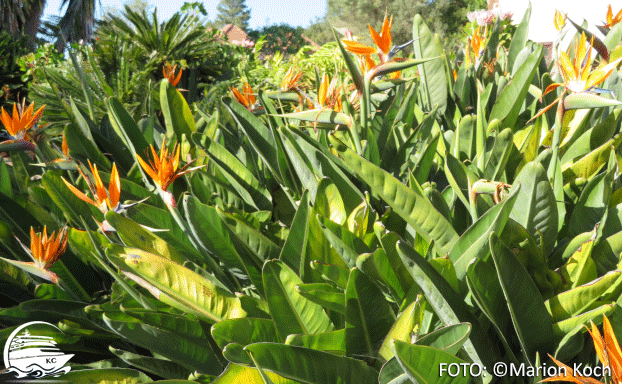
(114,189)
(358,48)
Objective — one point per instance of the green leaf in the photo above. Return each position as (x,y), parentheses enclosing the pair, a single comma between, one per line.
(211,231)
(333,342)
(577,300)
(235,172)
(178,117)
(296,241)
(423,364)
(450,338)
(588,100)
(537,211)
(325,295)
(519,39)
(509,103)
(244,331)
(258,135)
(80,147)
(369,316)
(241,374)
(402,328)
(103,376)
(178,285)
(329,202)
(310,366)
(157,366)
(592,204)
(415,209)
(133,235)
(309,157)
(186,351)
(325,116)
(291,312)
(72,206)
(450,308)
(474,242)
(432,74)
(531,320)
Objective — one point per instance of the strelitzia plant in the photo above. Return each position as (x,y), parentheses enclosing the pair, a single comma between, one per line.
(105,200)
(577,73)
(611,19)
(19,125)
(163,169)
(609,354)
(168,72)
(45,250)
(246,97)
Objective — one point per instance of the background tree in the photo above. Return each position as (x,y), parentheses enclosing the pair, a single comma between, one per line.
(279,38)
(233,12)
(445,17)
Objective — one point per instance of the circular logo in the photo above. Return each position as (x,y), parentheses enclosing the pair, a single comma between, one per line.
(30,351)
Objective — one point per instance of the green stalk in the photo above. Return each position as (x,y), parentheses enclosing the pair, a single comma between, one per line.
(557,132)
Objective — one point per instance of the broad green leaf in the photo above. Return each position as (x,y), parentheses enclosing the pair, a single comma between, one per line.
(369,316)
(257,133)
(103,376)
(519,38)
(402,328)
(191,353)
(310,366)
(157,366)
(575,301)
(235,172)
(449,307)
(309,155)
(416,210)
(531,320)
(474,242)
(80,147)
(178,117)
(296,241)
(563,327)
(291,312)
(211,231)
(326,116)
(73,207)
(332,273)
(378,267)
(592,204)
(496,164)
(125,127)
(449,339)
(423,363)
(325,295)
(433,77)
(580,268)
(244,331)
(329,202)
(537,211)
(170,280)
(509,102)
(133,235)
(333,342)
(241,374)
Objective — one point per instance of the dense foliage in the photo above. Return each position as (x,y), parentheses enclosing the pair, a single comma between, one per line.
(360,219)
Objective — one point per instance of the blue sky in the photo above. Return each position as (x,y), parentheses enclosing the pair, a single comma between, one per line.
(263,12)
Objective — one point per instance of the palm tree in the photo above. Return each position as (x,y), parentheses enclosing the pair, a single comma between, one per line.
(21,16)
(24,17)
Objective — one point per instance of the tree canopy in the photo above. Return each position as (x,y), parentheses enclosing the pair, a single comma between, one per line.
(233,12)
